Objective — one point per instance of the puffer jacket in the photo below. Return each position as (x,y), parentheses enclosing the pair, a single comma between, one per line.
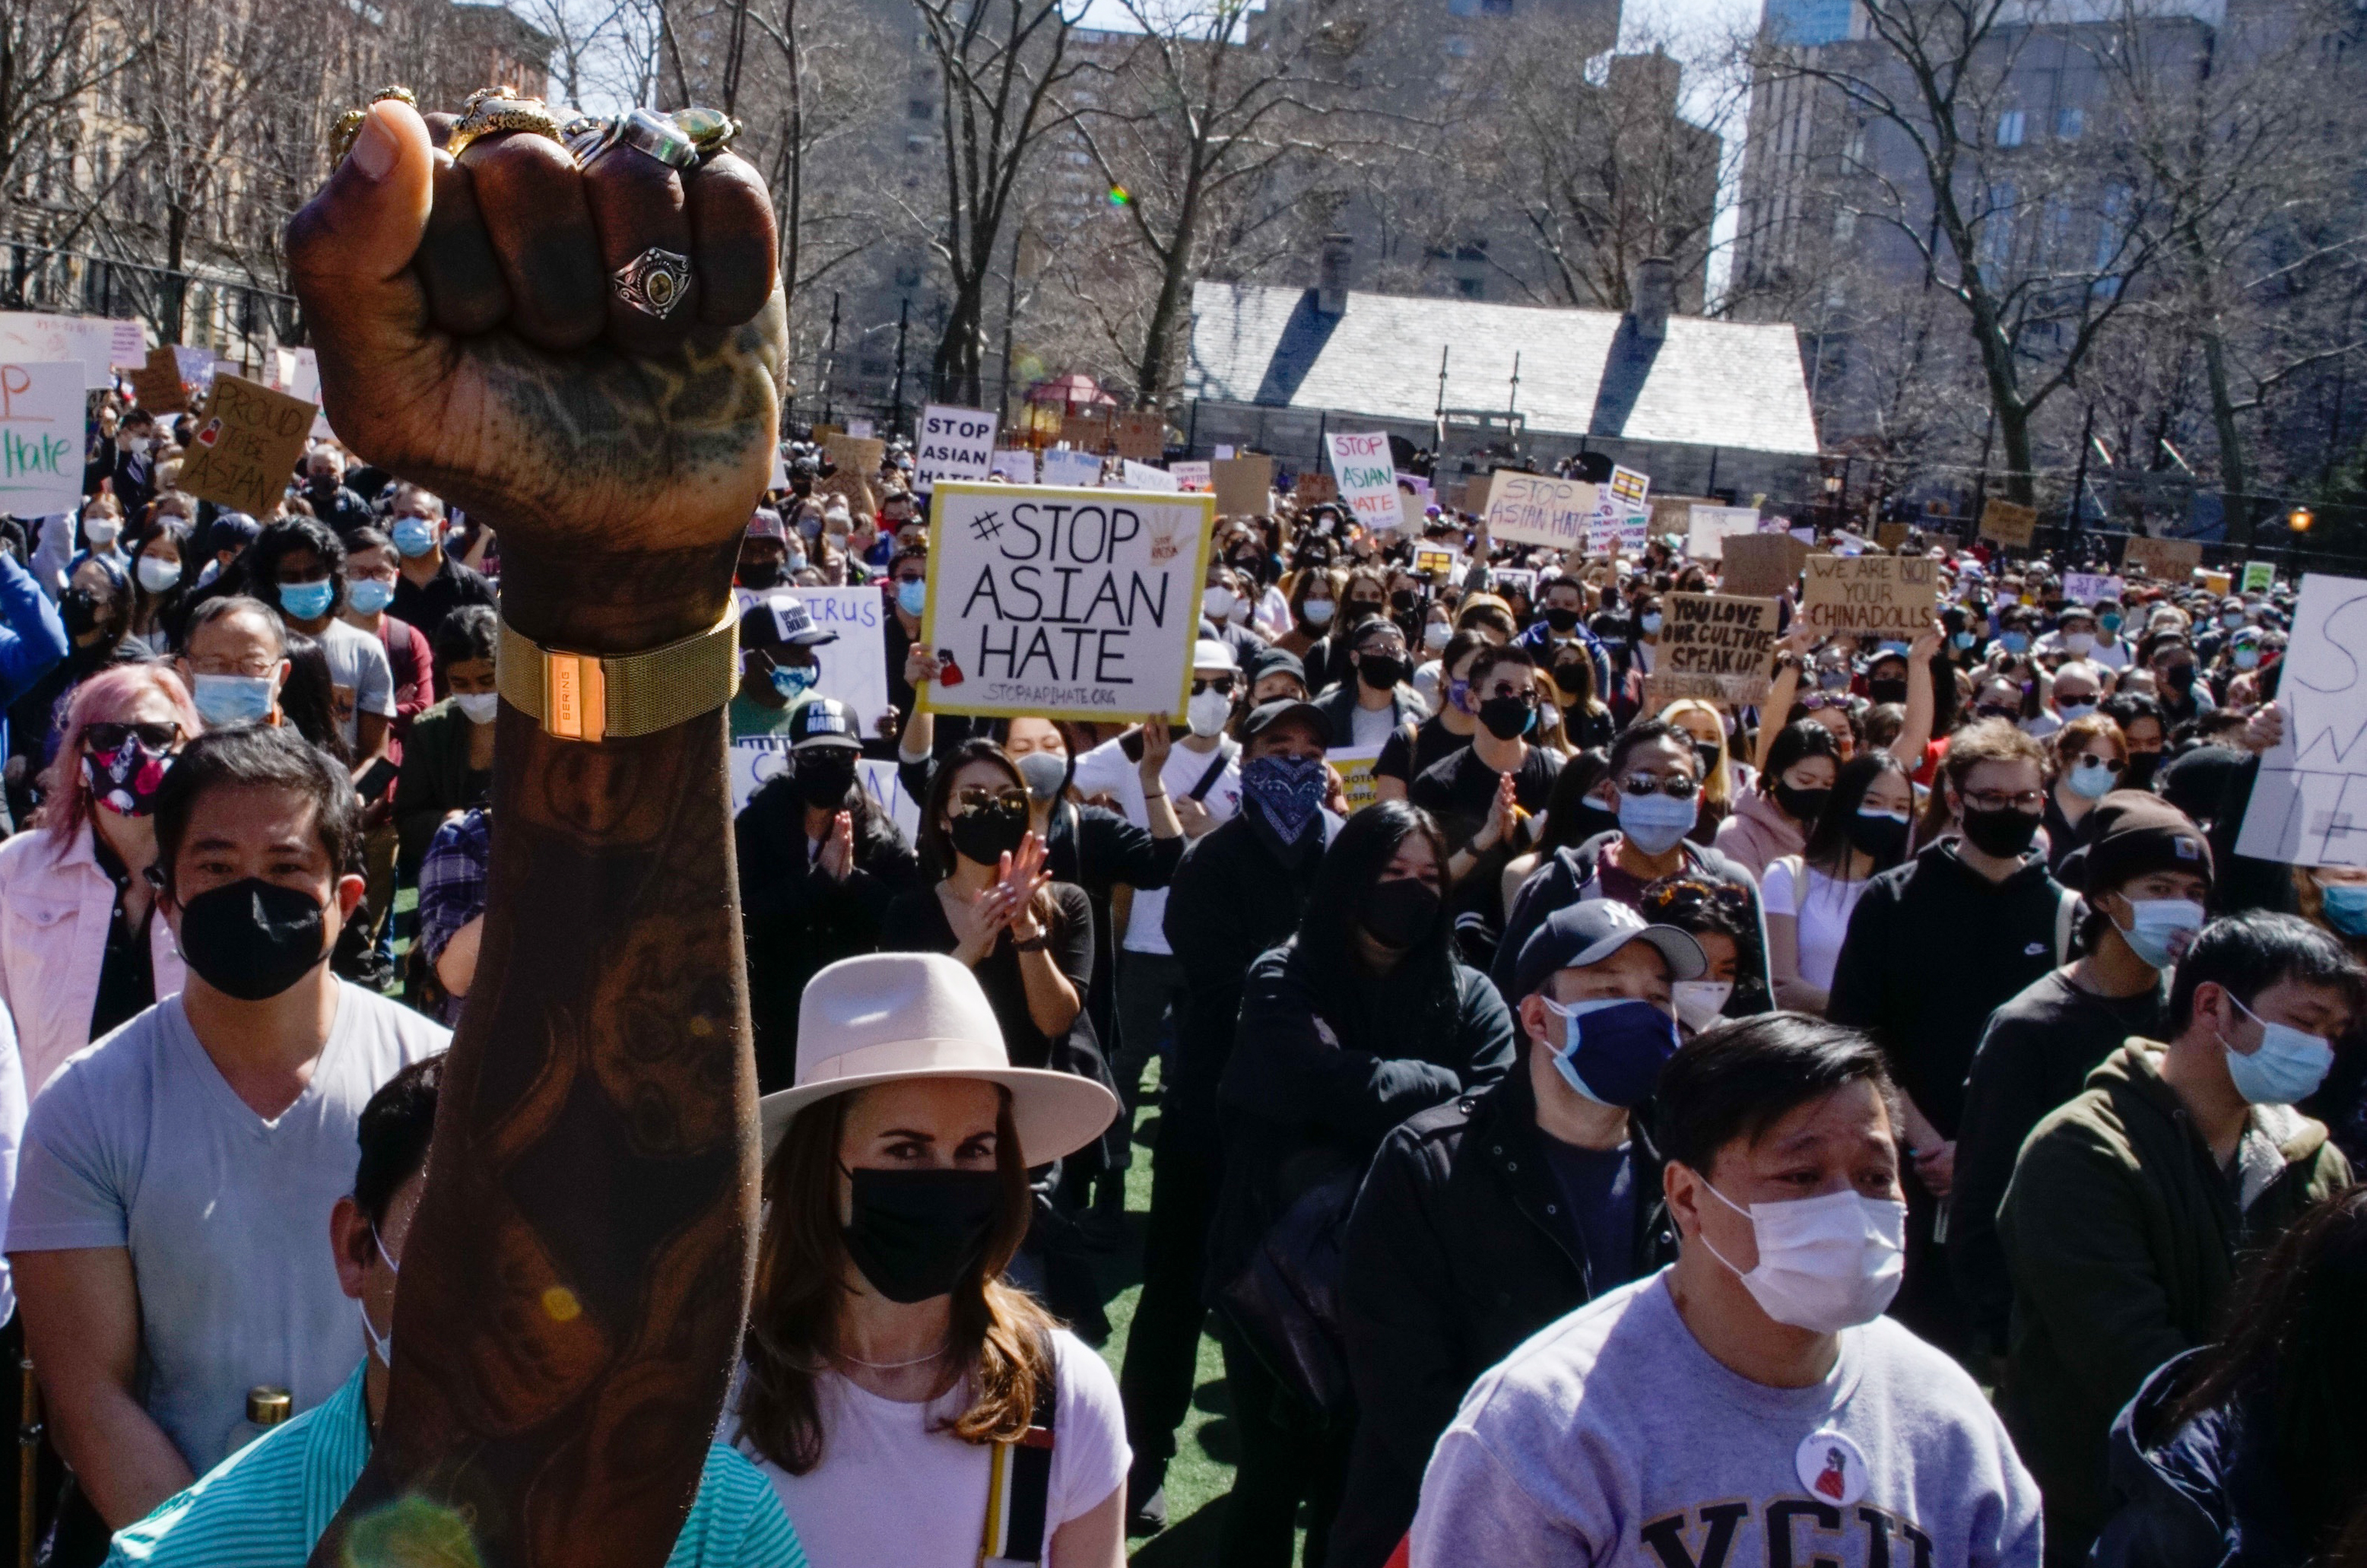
(2202,1494)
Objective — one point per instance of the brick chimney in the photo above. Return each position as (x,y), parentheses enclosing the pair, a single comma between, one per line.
(1331,275)
(1654,295)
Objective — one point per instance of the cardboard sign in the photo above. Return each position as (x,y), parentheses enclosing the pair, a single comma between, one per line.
(1535,508)
(157,385)
(1016,464)
(1354,767)
(855,455)
(2164,560)
(41,437)
(246,445)
(1892,536)
(1708,527)
(1714,646)
(1192,477)
(1871,596)
(2260,576)
(2309,804)
(1368,484)
(2090,587)
(1141,434)
(1673,514)
(1244,485)
(2009,524)
(1088,430)
(953,443)
(860,501)
(1313,489)
(1629,487)
(96,344)
(2218,583)
(1064,603)
(1074,469)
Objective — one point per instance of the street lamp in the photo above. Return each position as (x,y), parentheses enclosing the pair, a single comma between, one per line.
(2299,519)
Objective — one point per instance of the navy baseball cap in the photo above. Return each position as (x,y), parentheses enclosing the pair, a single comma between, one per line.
(822,721)
(1589,931)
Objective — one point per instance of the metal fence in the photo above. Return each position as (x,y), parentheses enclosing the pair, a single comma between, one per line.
(178,304)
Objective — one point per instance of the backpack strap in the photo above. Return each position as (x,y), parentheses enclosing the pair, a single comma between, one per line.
(2067,914)
(1019,1482)
(1226,751)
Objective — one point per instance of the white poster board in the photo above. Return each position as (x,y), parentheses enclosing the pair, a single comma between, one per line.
(1537,508)
(41,437)
(1064,603)
(1150,476)
(953,443)
(2087,588)
(1191,476)
(95,343)
(1706,527)
(1074,469)
(1016,464)
(2309,804)
(1366,477)
(854,668)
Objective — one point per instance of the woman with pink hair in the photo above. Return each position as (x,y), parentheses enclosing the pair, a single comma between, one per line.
(81,949)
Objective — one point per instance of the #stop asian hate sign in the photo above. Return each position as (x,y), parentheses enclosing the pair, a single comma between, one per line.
(1064,603)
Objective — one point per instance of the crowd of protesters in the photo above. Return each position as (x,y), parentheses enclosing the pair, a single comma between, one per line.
(1885,1122)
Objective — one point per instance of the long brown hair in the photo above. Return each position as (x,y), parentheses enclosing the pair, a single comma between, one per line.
(1001,1338)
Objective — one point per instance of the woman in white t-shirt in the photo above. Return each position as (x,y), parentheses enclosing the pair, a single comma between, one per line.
(908,1406)
(1809,897)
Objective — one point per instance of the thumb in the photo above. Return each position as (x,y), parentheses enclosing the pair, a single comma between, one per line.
(349,253)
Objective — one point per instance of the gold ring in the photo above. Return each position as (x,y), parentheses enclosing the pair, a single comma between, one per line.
(349,124)
(709,130)
(493,110)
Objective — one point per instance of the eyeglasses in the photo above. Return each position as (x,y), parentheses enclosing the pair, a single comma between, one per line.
(976,800)
(1222,685)
(1817,702)
(107,737)
(1676,787)
(2005,799)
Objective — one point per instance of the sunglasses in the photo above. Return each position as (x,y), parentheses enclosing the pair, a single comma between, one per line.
(976,800)
(1676,787)
(105,736)
(1219,684)
(1817,700)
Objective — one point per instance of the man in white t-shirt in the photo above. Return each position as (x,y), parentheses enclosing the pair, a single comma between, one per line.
(1203,781)
(299,567)
(165,1233)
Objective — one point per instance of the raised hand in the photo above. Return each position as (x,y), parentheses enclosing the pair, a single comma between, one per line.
(838,849)
(921,665)
(1157,744)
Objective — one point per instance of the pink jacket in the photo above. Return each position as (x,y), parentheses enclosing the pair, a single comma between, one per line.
(54,912)
(1756,834)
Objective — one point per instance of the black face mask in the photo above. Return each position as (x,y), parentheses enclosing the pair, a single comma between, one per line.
(1507,717)
(1707,756)
(1362,609)
(761,575)
(253,939)
(2139,771)
(1886,690)
(825,783)
(2178,677)
(78,607)
(1401,599)
(1399,911)
(1883,837)
(986,836)
(1379,671)
(2004,834)
(1572,681)
(1804,806)
(915,1233)
(1561,617)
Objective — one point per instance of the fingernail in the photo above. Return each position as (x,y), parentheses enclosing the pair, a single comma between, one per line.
(374,149)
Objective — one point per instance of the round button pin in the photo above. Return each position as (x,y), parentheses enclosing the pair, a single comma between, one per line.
(1831,1467)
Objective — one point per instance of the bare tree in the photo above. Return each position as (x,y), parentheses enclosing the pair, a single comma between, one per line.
(55,56)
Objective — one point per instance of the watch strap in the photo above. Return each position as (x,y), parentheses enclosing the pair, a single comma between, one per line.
(585,697)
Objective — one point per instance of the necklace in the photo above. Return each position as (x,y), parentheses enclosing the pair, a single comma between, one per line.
(892,1366)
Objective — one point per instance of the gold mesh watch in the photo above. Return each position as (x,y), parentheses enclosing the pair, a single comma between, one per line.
(583,697)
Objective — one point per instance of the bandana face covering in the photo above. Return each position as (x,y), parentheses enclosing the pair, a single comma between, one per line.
(1285,791)
(125,781)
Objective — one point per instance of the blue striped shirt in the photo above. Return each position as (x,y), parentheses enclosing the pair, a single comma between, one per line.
(266,1505)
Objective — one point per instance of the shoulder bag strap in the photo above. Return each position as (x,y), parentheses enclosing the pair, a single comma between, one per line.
(1226,751)
(1019,1482)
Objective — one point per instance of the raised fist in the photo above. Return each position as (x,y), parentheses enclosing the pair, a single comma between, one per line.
(474,338)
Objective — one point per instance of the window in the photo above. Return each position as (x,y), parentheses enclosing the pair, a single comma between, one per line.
(2009,127)
(1497,8)
(919,109)
(1462,7)
(1457,47)
(1997,227)
(2069,123)
(1844,223)
(1470,287)
(907,276)
(916,144)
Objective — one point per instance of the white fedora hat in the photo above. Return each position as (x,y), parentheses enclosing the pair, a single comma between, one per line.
(886,1016)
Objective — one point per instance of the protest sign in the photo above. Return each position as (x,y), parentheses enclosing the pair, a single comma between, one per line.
(1064,603)
(854,668)
(1191,476)
(1141,435)
(860,429)
(2218,582)
(2260,576)
(2164,560)
(95,343)
(884,782)
(1805,536)
(1510,580)
(1313,489)
(2089,587)
(1673,514)
(246,445)
(2309,804)
(1224,451)
(1354,767)
(953,443)
(1535,508)
(754,762)
(852,485)
(1891,536)
(1431,559)
(157,383)
(855,455)
(197,366)
(1707,528)
(1367,481)
(1016,464)
(41,437)
(1714,646)
(1628,487)
(1088,430)
(1882,596)
(1144,476)
(1244,485)
(1062,466)
(2004,523)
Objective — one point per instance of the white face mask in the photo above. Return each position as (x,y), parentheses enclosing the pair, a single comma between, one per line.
(382,1344)
(480,707)
(157,575)
(1699,1002)
(1825,1264)
(1216,603)
(1207,713)
(2078,642)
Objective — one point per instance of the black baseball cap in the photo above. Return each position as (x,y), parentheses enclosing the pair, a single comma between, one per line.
(1591,930)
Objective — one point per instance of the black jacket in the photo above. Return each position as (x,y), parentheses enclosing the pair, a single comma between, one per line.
(796,917)
(2203,1496)
(1458,1250)
(1933,949)
(1321,1075)
(1569,877)
(1231,899)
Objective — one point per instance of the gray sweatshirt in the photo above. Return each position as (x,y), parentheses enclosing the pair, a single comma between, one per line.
(1614,1438)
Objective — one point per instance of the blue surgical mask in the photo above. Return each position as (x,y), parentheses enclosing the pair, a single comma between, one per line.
(912,595)
(2247,658)
(225,700)
(2015,641)
(1650,623)
(2072,712)
(368,595)
(2090,780)
(2111,623)
(1963,639)
(1613,1048)
(307,601)
(1654,823)
(414,537)
(793,681)
(2157,927)
(2346,907)
(2286,1069)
